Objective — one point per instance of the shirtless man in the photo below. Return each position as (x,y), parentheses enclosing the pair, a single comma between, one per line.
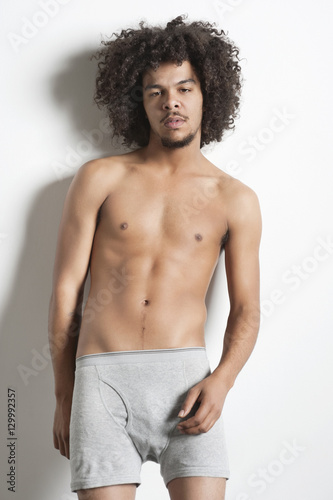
(150,225)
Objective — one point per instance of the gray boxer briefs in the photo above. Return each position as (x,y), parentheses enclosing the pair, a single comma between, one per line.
(124,413)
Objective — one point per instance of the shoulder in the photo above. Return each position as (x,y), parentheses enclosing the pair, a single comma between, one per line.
(101,166)
(102,171)
(241,202)
(94,181)
(235,194)
(243,209)
(238,199)
(240,196)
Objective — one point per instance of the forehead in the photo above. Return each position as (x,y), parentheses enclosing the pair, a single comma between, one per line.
(169,74)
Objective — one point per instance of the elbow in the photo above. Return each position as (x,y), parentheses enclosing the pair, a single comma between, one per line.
(65,290)
(248,314)
(66,298)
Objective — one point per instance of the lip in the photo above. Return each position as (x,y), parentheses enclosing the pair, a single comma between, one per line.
(174,122)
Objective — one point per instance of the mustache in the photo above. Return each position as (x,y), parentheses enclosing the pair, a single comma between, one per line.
(171,115)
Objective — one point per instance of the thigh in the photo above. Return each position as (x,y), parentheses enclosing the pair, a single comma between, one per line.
(101,452)
(115,492)
(198,455)
(197,488)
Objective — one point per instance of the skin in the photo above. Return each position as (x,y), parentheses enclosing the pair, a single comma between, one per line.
(143,222)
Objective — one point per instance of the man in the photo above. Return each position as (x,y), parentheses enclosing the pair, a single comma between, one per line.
(150,225)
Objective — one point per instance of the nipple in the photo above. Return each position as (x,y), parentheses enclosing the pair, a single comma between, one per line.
(124,225)
(198,237)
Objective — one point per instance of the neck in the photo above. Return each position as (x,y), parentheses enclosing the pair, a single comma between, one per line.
(176,159)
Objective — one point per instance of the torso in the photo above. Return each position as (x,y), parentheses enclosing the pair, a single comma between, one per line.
(157,242)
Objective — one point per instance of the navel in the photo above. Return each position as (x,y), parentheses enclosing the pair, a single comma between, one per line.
(123,225)
(198,237)
(145,302)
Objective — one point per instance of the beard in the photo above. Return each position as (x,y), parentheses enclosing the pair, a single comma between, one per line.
(181,143)
(172,144)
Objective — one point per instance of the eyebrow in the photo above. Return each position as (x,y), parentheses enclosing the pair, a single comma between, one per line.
(157,86)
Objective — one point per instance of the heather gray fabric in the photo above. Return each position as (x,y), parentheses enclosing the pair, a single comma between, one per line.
(124,413)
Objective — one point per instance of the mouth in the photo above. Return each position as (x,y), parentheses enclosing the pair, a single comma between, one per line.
(174,122)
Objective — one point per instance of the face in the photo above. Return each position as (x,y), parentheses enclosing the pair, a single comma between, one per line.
(172,100)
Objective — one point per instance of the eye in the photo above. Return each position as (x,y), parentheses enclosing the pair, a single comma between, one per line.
(153,94)
(185,90)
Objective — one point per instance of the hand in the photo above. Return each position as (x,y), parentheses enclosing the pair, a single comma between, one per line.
(62,417)
(210,393)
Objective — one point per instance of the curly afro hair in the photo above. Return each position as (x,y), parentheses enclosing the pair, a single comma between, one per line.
(122,62)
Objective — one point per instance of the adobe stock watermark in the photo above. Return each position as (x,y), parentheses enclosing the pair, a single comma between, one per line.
(199,199)
(297,274)
(94,305)
(75,156)
(136,95)
(223,7)
(104,296)
(31,27)
(263,477)
(254,144)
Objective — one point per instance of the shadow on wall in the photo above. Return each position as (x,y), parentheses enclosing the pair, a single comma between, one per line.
(25,363)
(72,89)
(24,359)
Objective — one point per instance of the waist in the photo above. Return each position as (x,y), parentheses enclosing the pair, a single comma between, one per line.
(129,324)
(127,310)
(141,356)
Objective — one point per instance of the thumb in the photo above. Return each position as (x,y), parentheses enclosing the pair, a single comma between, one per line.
(191,398)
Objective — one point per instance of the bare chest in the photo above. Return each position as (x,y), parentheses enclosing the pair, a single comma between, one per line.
(146,212)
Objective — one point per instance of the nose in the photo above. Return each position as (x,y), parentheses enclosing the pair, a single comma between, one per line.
(171,102)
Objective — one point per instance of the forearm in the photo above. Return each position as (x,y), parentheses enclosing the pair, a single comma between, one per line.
(239,340)
(63,331)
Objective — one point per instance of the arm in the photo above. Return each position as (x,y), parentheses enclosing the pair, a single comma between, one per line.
(75,237)
(242,269)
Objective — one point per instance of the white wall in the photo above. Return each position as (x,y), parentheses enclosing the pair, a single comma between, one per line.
(282,398)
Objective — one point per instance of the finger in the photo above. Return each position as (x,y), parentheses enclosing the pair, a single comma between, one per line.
(204,427)
(67,448)
(206,415)
(62,448)
(197,418)
(189,402)
(55,442)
